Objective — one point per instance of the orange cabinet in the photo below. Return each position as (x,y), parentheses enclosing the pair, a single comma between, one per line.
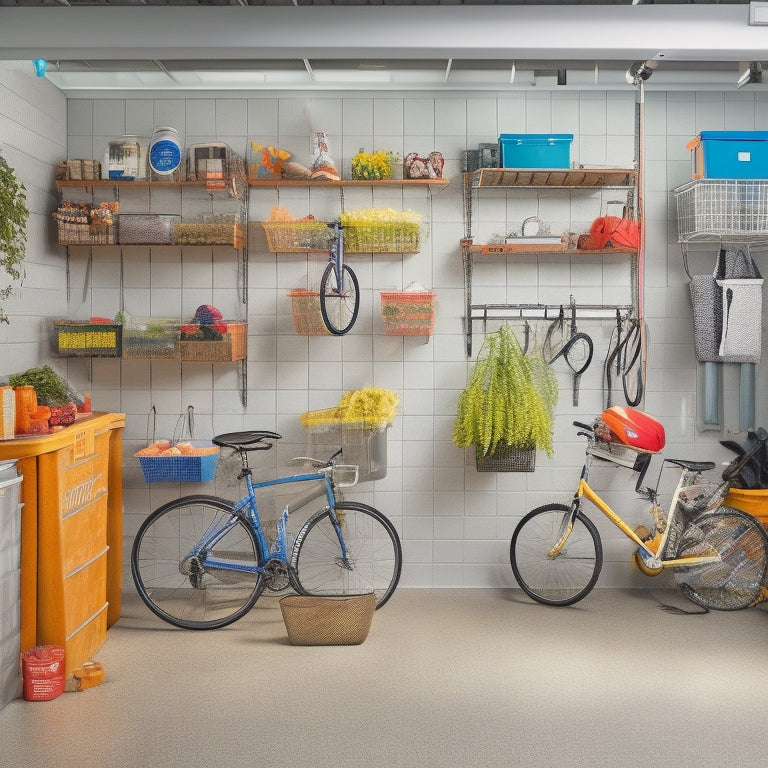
(71,534)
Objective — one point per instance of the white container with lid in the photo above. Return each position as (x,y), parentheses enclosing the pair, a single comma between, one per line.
(165,151)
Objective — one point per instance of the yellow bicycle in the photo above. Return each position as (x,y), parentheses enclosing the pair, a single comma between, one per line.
(718,554)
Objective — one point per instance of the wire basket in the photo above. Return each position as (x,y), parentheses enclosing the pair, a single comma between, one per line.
(146,229)
(212,229)
(138,344)
(717,207)
(408,313)
(698,495)
(395,237)
(84,339)
(307,316)
(184,469)
(297,236)
(362,445)
(506,458)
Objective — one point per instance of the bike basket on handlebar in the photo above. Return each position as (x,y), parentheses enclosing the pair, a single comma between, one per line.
(345,475)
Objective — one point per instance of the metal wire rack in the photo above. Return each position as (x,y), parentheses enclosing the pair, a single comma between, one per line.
(730,208)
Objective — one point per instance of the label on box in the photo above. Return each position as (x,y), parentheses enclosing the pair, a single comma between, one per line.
(744,157)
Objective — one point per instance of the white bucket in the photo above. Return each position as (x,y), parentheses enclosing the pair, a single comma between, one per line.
(165,151)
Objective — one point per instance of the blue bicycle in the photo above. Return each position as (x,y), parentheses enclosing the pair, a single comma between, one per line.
(339,289)
(202,562)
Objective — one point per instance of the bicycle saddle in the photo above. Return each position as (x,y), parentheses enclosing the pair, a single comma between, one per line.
(250,440)
(693,466)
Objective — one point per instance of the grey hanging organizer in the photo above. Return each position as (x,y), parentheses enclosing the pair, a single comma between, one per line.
(742,307)
(727,318)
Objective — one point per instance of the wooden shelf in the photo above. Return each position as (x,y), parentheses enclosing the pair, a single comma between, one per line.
(93,183)
(349,183)
(575,178)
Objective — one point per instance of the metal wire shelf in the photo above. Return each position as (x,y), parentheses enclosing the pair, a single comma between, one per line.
(735,209)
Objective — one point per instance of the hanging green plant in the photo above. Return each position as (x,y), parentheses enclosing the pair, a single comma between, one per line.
(509,399)
(14,215)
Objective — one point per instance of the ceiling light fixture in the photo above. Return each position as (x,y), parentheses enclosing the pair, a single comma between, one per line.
(751,72)
(758,13)
(641,71)
(40,65)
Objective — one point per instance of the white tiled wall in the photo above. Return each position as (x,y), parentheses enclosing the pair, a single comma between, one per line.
(33,140)
(455,522)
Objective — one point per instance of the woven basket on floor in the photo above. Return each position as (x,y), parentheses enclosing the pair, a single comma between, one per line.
(328,620)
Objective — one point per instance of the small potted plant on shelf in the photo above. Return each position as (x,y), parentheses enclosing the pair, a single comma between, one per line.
(506,410)
(13,235)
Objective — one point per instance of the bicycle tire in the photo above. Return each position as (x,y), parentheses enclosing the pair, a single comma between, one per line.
(374,560)
(570,575)
(184,592)
(736,581)
(339,304)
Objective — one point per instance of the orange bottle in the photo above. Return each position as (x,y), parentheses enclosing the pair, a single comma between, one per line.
(26,404)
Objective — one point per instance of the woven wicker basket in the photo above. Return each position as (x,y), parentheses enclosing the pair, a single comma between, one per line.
(307,317)
(328,620)
(233,346)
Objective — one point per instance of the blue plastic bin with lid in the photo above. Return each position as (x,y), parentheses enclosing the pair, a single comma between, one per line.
(730,155)
(535,150)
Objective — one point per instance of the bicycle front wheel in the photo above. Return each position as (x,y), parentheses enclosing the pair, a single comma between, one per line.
(570,574)
(339,304)
(373,558)
(736,579)
(194,562)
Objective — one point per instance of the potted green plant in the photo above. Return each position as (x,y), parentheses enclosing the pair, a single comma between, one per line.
(13,230)
(506,410)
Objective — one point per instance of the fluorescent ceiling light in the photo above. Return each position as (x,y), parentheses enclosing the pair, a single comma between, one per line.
(758,13)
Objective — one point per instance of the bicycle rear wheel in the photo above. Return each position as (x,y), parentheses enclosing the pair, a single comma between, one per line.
(339,304)
(194,563)
(374,554)
(566,577)
(735,581)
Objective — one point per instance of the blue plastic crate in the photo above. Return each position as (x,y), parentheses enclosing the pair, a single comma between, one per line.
(730,155)
(175,469)
(535,150)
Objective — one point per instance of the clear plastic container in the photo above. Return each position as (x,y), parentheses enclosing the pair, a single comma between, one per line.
(125,159)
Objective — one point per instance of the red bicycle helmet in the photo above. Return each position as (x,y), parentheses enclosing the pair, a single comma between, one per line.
(633,428)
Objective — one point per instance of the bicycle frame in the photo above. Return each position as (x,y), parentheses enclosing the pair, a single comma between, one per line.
(337,253)
(278,549)
(585,490)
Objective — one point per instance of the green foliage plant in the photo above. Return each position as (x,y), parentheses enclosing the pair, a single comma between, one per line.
(14,215)
(509,398)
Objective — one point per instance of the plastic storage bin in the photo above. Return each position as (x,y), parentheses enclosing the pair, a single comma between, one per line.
(535,150)
(10,582)
(729,155)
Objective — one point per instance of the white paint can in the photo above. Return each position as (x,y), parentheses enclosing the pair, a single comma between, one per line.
(165,151)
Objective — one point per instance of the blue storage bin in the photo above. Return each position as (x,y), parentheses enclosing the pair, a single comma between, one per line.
(730,155)
(535,150)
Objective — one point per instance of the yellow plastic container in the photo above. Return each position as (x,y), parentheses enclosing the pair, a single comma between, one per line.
(753,502)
